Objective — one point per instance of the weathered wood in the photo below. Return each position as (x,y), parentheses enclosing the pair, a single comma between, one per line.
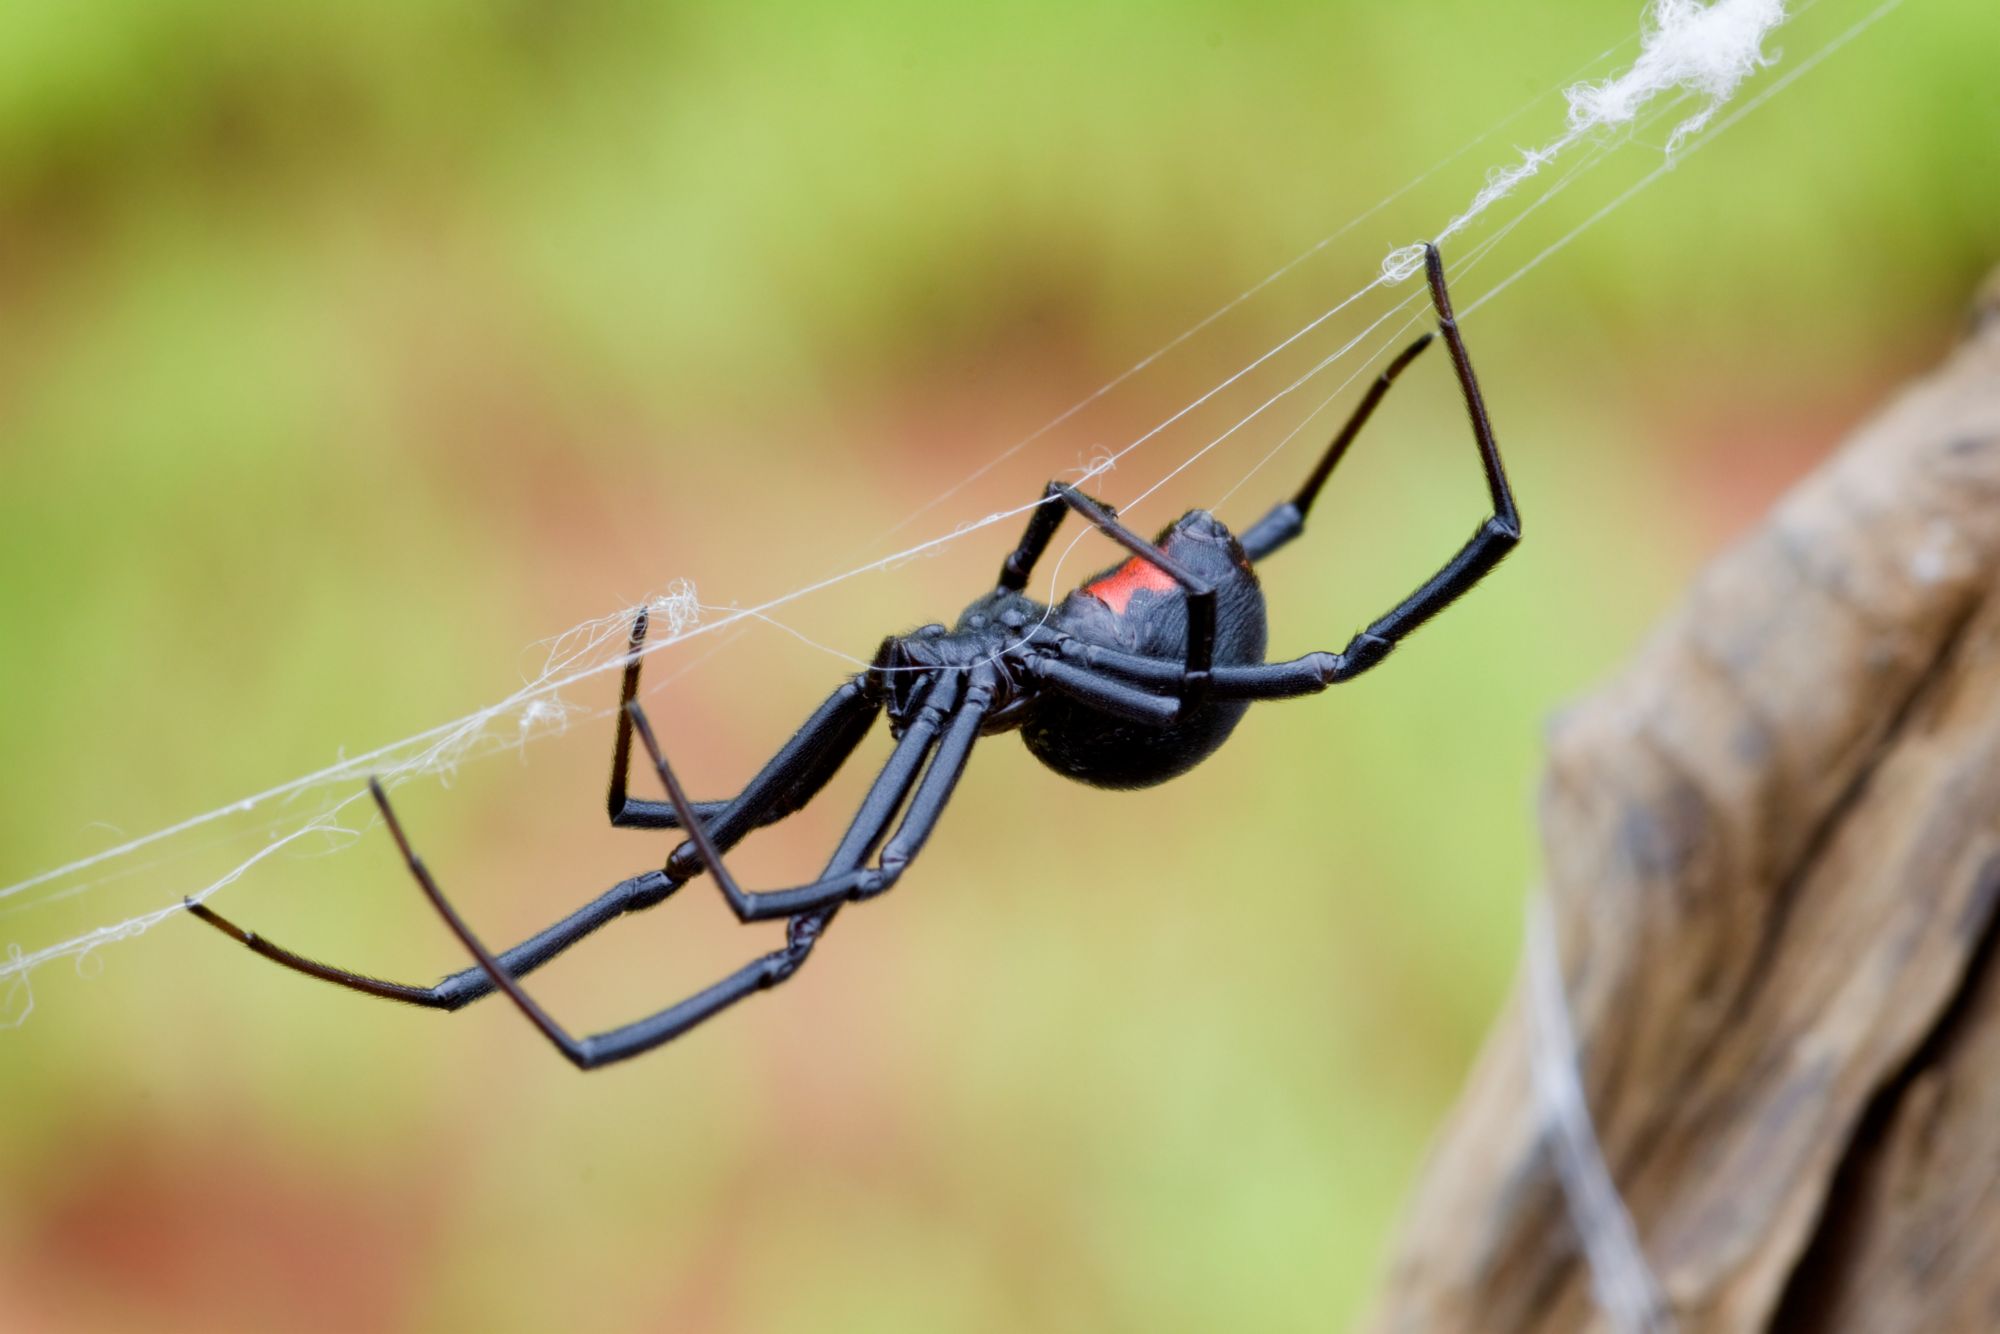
(1773,855)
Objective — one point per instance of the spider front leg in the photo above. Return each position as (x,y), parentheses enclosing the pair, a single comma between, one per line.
(1495,537)
(1287,518)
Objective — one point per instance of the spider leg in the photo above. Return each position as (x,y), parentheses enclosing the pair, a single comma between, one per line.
(1105,692)
(797,773)
(1287,519)
(461,988)
(625,812)
(935,792)
(1112,681)
(1306,675)
(1489,544)
(759,974)
(885,796)
(636,1039)
(845,877)
(1043,521)
(836,740)
(590,1052)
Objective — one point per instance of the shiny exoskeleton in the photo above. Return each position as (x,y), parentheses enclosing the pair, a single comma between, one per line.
(1134,678)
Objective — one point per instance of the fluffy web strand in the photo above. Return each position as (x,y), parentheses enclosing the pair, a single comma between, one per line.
(1704,49)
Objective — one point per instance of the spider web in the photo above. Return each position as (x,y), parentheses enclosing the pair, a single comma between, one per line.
(1692,59)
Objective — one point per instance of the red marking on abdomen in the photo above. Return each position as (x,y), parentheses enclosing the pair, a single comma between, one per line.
(1115,590)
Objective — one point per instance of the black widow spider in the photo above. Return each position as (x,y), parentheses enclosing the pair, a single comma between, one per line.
(1133,679)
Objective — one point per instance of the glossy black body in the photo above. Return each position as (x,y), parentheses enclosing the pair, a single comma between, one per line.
(1081,741)
(1135,677)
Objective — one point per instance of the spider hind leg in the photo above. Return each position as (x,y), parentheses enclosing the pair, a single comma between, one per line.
(588,1053)
(802,767)
(469,984)
(812,906)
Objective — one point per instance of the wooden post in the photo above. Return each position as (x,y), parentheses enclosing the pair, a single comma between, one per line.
(1772,852)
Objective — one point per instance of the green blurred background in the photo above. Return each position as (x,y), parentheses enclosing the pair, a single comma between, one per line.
(347,350)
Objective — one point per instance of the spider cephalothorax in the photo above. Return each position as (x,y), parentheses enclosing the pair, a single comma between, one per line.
(1135,677)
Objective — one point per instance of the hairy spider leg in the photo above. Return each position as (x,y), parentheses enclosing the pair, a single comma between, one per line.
(803,931)
(1042,526)
(636,813)
(805,762)
(845,878)
(1495,537)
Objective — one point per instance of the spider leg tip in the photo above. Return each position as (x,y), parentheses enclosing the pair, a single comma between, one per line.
(381,795)
(228,928)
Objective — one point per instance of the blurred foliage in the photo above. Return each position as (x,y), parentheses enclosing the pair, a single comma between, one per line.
(345,350)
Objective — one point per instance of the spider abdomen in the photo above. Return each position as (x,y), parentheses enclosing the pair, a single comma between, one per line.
(1136,607)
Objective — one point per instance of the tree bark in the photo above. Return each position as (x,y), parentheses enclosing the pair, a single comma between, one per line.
(1773,859)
